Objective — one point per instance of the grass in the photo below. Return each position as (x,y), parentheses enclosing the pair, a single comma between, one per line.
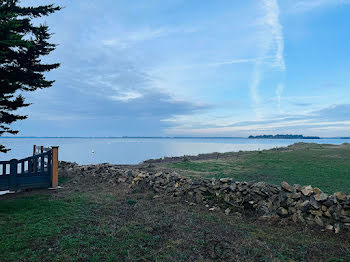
(106,224)
(323,166)
(45,228)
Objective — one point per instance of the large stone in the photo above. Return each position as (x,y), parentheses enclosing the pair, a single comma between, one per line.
(295,195)
(321,196)
(287,187)
(314,203)
(329,201)
(340,196)
(305,206)
(307,190)
(317,190)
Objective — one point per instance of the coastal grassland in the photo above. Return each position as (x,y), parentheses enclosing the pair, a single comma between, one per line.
(324,166)
(100,223)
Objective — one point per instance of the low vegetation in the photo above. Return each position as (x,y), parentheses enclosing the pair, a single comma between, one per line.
(115,224)
(323,166)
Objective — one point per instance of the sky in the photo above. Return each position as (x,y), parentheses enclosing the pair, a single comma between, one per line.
(195,68)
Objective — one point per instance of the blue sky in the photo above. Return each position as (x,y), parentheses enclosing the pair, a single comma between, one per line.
(195,68)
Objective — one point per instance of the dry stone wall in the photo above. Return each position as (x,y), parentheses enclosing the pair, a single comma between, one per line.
(300,204)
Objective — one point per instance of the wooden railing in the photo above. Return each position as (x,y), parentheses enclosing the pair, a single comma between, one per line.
(37,171)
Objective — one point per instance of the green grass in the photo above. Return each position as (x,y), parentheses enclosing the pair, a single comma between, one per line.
(42,228)
(324,166)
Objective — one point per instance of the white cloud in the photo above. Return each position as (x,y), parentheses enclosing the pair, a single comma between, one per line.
(126,96)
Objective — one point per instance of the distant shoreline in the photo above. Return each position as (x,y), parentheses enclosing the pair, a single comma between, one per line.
(159,137)
(283,137)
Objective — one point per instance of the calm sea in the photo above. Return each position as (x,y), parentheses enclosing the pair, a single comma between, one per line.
(136,150)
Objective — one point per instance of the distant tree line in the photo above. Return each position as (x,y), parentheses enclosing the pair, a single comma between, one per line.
(285,137)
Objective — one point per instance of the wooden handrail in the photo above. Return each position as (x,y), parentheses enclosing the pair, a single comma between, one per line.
(44,164)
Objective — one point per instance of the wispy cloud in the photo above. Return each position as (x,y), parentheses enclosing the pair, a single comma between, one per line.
(272,43)
(126,96)
(334,118)
(279,91)
(309,5)
(145,34)
(271,20)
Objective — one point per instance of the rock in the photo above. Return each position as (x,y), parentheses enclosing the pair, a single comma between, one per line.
(329,202)
(199,198)
(316,212)
(321,196)
(137,179)
(300,217)
(122,179)
(314,203)
(233,187)
(340,196)
(305,205)
(290,202)
(158,174)
(337,228)
(282,212)
(273,189)
(319,221)
(214,209)
(203,189)
(317,190)
(225,180)
(306,190)
(287,187)
(295,195)
(329,227)
(227,211)
(347,225)
(327,214)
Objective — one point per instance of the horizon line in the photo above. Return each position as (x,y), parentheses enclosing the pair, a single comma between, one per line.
(226,137)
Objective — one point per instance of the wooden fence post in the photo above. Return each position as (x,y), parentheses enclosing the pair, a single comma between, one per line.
(13,175)
(54,174)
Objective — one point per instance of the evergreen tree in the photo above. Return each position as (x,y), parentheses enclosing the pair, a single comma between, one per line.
(21,46)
